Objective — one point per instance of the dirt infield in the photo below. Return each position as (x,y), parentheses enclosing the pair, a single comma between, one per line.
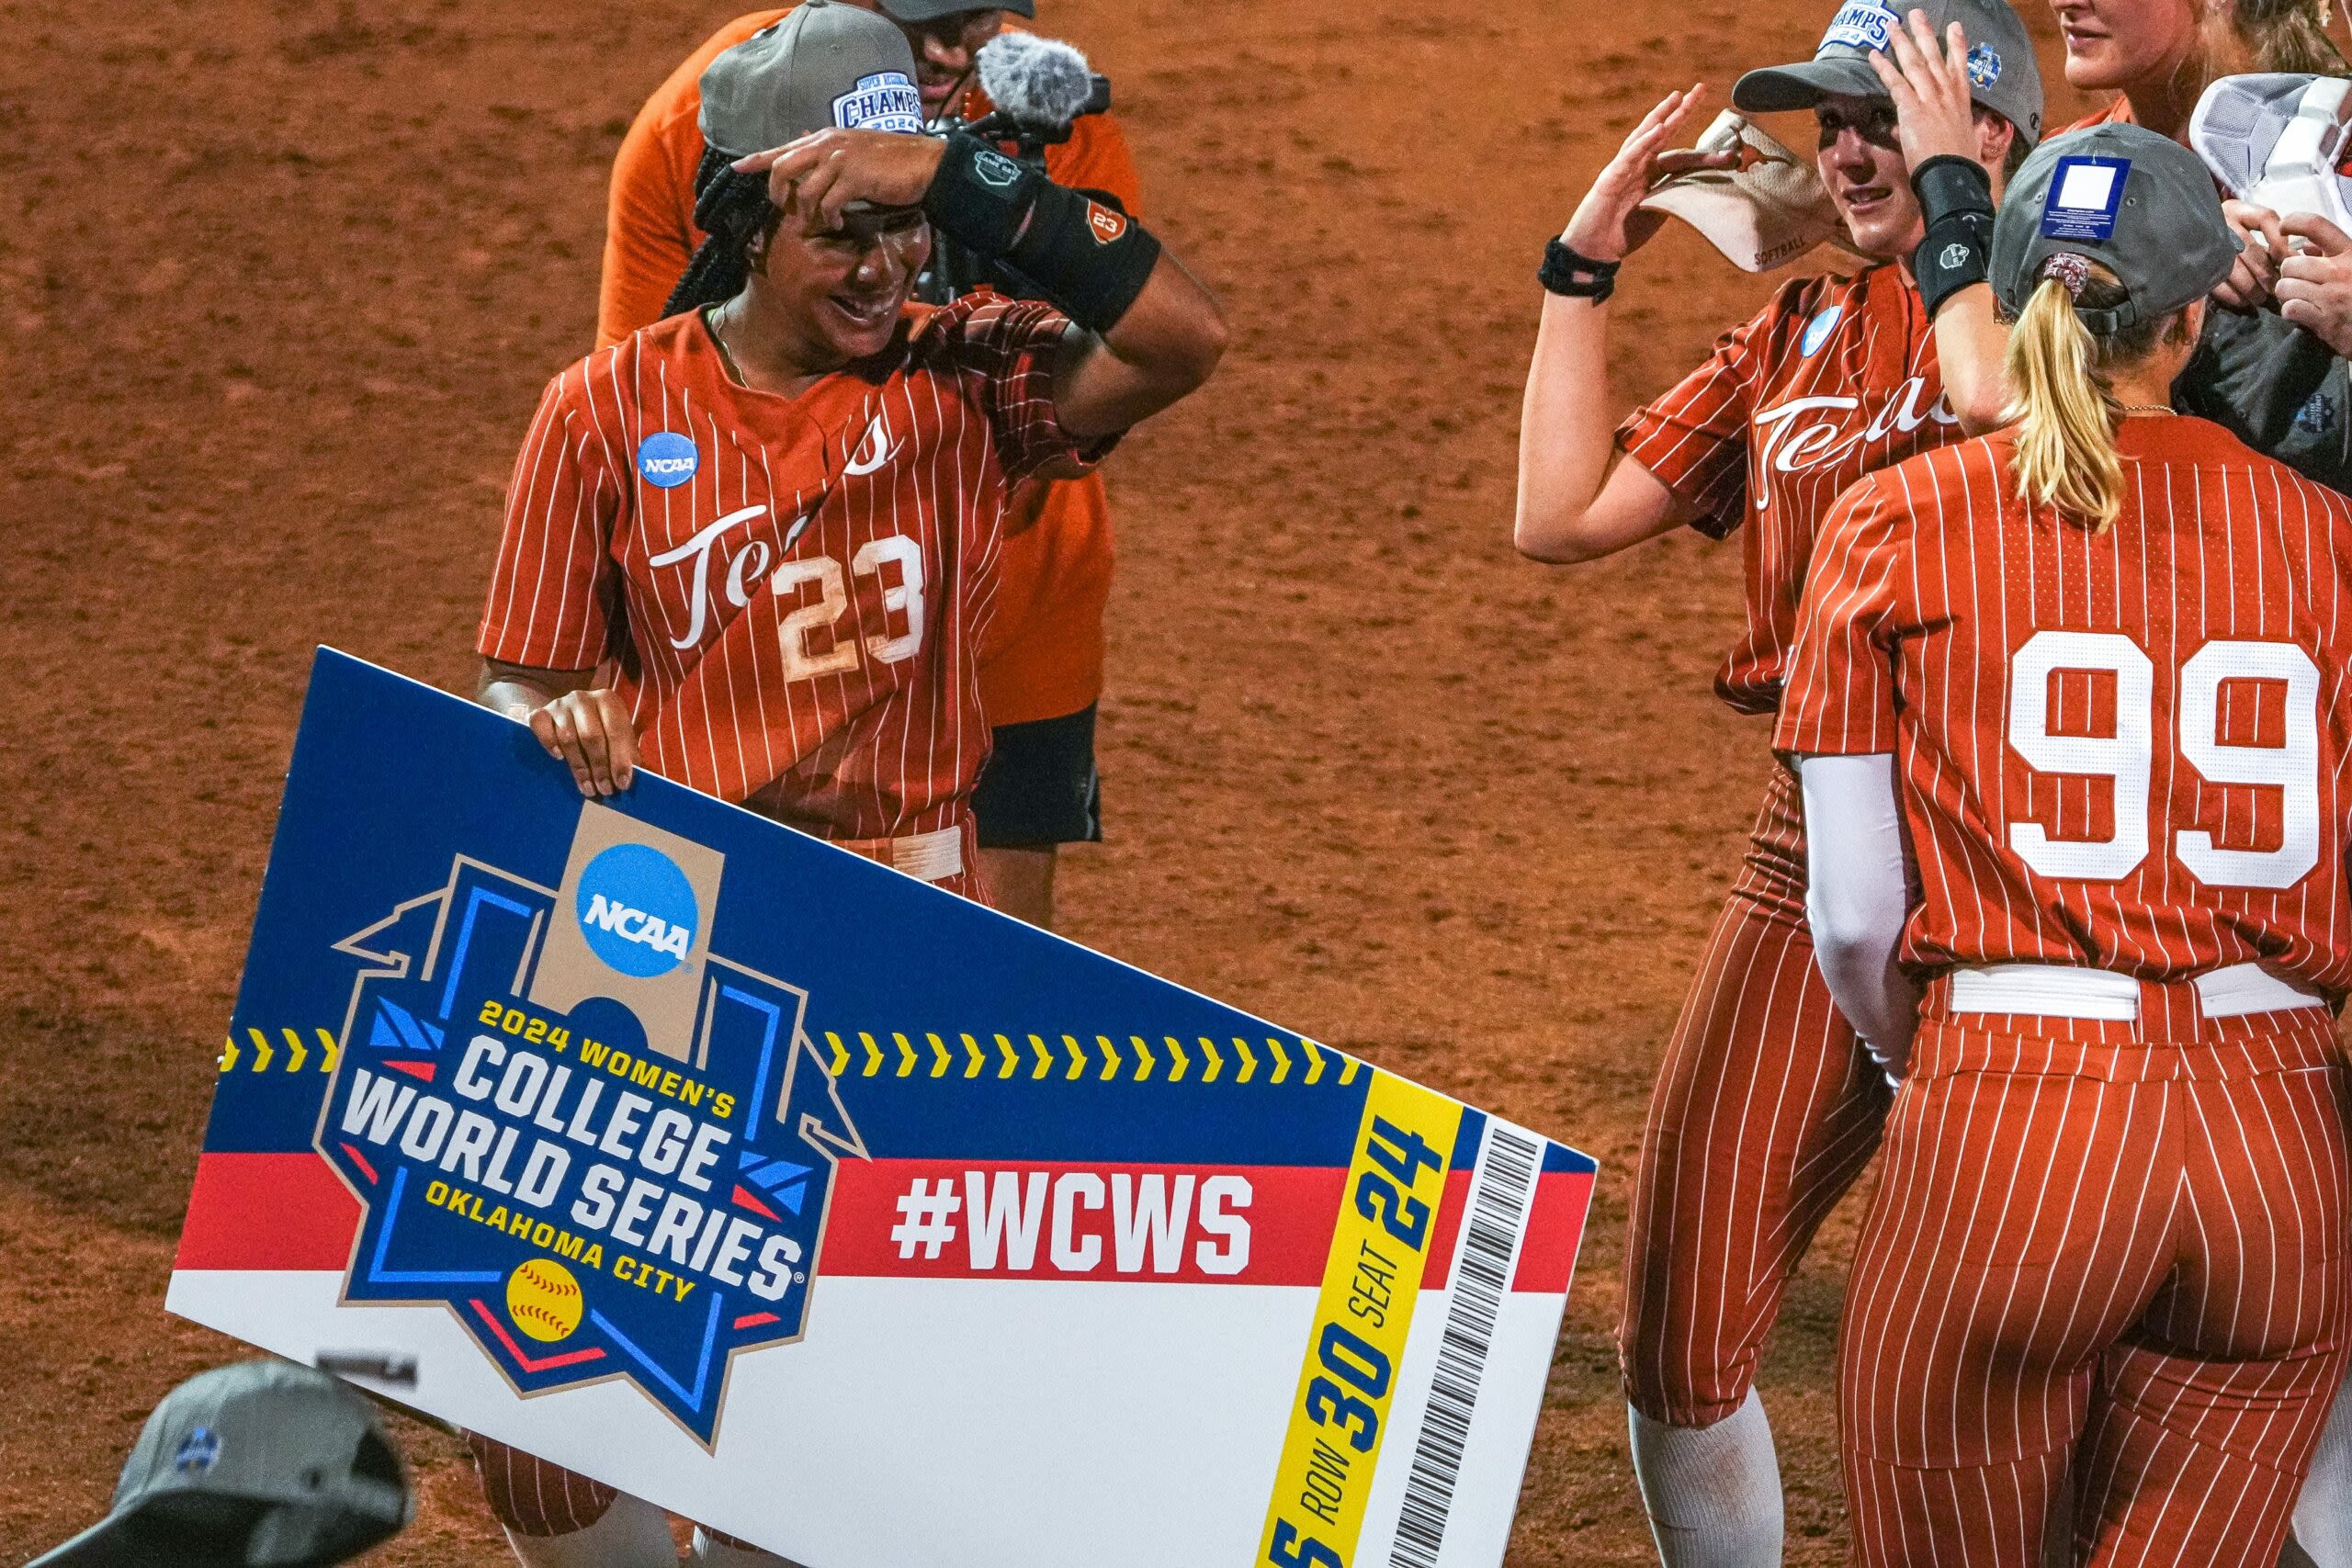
(280,284)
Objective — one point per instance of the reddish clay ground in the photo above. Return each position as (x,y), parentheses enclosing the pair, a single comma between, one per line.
(279,283)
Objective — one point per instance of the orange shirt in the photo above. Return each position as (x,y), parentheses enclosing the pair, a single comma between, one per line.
(1042,657)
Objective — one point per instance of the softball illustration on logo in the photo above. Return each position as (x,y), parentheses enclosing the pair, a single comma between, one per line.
(608,1152)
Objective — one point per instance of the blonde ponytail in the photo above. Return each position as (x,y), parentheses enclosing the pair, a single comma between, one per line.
(2066,418)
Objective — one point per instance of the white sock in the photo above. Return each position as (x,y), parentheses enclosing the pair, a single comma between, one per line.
(632,1534)
(2323,1511)
(1712,1493)
(709,1554)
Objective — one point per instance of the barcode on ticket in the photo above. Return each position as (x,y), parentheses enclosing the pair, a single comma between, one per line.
(1499,1199)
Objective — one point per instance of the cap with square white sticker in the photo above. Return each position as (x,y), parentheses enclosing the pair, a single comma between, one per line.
(2085,195)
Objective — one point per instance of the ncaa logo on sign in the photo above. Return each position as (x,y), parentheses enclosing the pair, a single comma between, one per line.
(1817,331)
(637,910)
(667,460)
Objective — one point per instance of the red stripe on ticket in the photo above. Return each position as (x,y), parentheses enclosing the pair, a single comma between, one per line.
(1554,1225)
(1175,1225)
(955,1220)
(268,1212)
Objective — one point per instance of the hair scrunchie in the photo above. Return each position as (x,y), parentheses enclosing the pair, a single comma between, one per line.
(2070,271)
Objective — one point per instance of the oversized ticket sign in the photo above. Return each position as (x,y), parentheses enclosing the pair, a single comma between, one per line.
(837,1213)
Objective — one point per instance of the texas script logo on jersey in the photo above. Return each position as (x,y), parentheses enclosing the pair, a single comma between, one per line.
(1805,433)
(606,1150)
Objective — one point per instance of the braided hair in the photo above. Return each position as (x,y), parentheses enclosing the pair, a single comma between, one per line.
(733,209)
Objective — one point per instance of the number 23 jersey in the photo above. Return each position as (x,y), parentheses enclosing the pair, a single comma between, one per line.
(2120,749)
(791,587)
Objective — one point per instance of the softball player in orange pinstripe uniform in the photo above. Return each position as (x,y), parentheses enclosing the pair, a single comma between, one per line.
(1765,1110)
(775,515)
(1040,661)
(2095,668)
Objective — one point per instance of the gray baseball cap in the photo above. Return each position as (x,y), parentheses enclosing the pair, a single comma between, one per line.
(2139,204)
(264,1464)
(826,65)
(932,10)
(2002,71)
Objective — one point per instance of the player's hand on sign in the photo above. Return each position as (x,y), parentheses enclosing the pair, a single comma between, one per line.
(821,174)
(591,730)
(1607,227)
(2314,284)
(1934,115)
(2262,245)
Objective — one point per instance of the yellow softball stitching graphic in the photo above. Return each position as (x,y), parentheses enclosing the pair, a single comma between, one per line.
(544,1299)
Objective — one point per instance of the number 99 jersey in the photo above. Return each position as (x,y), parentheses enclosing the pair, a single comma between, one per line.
(791,587)
(2120,749)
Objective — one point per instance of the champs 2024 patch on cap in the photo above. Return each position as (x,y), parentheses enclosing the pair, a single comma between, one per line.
(2002,73)
(826,67)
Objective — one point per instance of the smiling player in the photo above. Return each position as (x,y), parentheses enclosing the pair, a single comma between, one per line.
(776,514)
(1767,1107)
(1041,661)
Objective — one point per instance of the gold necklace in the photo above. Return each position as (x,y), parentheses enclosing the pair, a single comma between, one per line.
(711,324)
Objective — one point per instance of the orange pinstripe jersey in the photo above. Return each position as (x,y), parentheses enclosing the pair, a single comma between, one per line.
(1043,657)
(2122,749)
(1834,377)
(792,586)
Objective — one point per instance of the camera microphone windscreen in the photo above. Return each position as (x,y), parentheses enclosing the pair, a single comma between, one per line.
(1036,80)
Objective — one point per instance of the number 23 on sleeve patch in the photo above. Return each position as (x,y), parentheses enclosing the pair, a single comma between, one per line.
(1107,225)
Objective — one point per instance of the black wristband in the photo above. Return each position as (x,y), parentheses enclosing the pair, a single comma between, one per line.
(1948,184)
(980,197)
(1569,272)
(1956,200)
(1085,256)
(1088,259)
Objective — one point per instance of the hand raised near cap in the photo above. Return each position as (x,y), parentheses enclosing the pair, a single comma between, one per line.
(818,174)
(1608,225)
(1935,114)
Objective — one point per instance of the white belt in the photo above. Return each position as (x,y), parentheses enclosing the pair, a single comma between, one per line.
(2053,991)
(928,857)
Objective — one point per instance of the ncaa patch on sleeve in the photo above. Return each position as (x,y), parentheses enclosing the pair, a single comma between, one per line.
(2085,195)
